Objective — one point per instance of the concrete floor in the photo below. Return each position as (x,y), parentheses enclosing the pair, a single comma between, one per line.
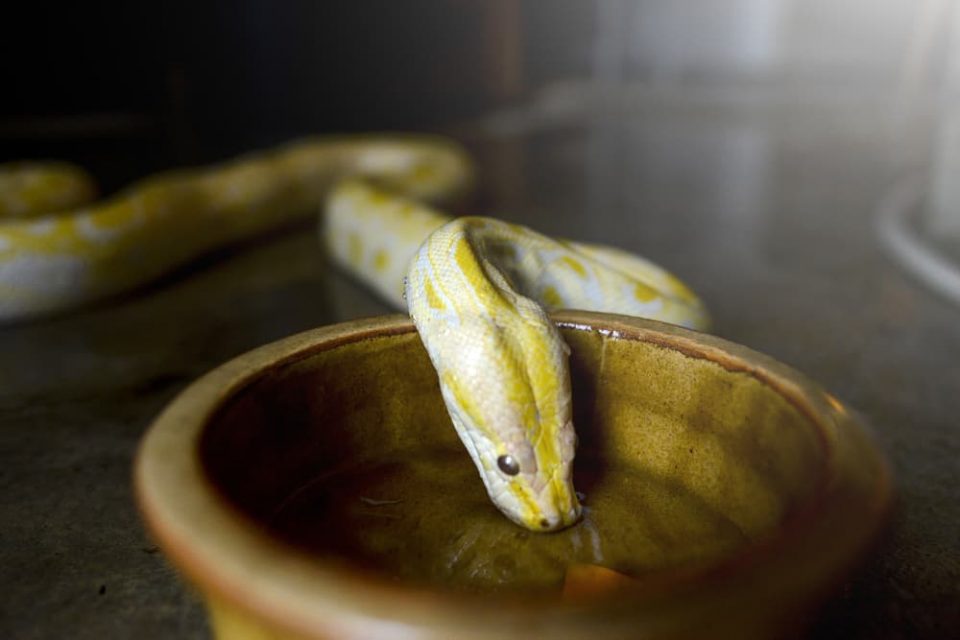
(769,218)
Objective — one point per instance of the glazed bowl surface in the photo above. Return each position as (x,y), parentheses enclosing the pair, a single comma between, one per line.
(314,488)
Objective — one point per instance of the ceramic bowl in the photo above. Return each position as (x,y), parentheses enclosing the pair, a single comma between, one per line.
(313,488)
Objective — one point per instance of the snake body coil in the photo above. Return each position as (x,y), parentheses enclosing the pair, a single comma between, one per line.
(79,252)
(478,289)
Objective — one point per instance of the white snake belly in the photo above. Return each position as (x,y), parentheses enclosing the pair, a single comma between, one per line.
(478,289)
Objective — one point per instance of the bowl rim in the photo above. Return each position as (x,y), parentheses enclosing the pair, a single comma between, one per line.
(222,552)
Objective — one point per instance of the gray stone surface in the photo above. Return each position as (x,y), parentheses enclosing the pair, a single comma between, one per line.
(769,217)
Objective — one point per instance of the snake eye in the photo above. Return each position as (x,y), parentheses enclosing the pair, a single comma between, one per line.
(508,465)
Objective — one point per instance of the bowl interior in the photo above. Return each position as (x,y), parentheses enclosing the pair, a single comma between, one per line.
(347,452)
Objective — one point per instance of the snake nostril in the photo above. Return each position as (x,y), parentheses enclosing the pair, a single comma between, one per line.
(545,523)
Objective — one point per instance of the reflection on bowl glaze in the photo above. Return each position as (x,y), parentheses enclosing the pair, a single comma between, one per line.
(314,488)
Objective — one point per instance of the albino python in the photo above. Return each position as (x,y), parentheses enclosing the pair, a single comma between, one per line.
(477,288)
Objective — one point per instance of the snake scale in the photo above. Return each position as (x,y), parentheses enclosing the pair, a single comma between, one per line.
(478,289)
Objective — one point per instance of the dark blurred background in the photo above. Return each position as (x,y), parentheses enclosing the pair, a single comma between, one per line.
(158,84)
(185,82)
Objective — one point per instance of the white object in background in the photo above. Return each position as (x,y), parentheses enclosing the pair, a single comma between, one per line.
(942,215)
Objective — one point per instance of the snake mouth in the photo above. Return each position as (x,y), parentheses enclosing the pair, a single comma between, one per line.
(560,520)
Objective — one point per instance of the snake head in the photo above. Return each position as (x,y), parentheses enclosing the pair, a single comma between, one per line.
(531,485)
(512,413)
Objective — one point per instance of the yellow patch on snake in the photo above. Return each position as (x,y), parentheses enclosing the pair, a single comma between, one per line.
(354,249)
(542,421)
(464,400)
(552,297)
(531,511)
(378,198)
(644,293)
(433,299)
(423,172)
(381,260)
(491,298)
(575,264)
